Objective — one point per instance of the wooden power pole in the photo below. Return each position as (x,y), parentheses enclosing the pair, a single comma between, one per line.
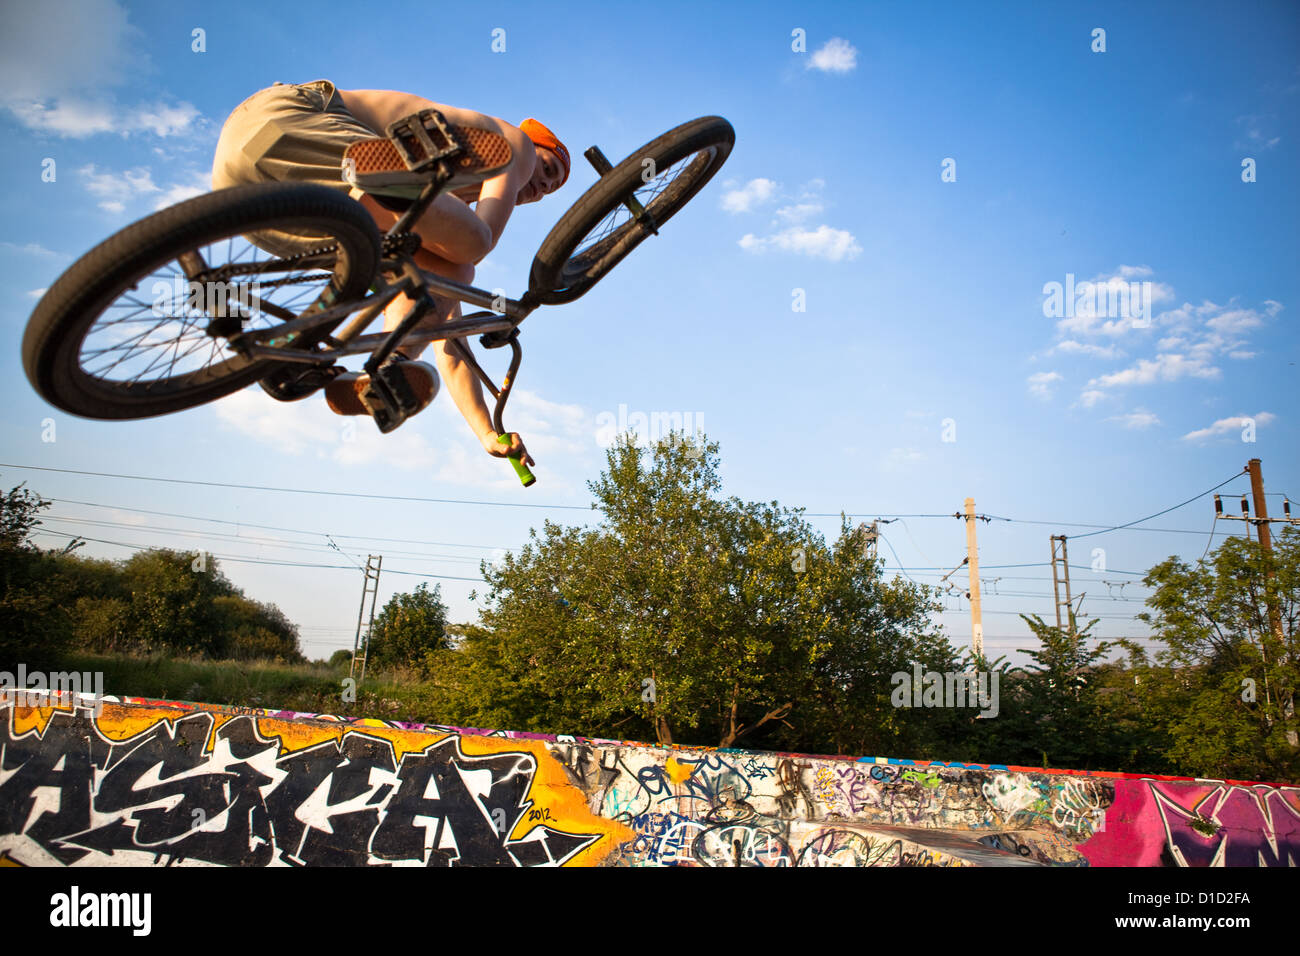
(973,562)
(1261,522)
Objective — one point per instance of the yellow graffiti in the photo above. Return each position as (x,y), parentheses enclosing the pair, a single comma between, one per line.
(824,784)
(678,772)
(553,801)
(556,801)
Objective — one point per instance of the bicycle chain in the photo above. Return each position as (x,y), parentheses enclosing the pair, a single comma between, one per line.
(401,244)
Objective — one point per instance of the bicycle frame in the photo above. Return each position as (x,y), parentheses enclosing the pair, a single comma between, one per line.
(392,403)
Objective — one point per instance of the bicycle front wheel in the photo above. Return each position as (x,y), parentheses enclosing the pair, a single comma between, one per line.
(600,228)
(140,325)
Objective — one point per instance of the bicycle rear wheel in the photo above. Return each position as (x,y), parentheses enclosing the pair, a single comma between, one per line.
(139,326)
(599,229)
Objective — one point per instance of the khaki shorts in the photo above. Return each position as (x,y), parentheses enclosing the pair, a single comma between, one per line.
(288,133)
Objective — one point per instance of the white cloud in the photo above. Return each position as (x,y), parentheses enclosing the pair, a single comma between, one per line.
(57,47)
(833,245)
(1241,355)
(836,55)
(35,249)
(1070,346)
(310,428)
(37,293)
(555,435)
(77,118)
(115,189)
(1111,304)
(1225,426)
(161,119)
(1040,383)
(197,184)
(1138,418)
(799,211)
(1257,132)
(1091,397)
(1236,321)
(53,54)
(1134,272)
(1166,367)
(753,193)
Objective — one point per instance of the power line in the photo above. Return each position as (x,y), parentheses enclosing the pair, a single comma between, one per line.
(1166,511)
(278,543)
(307,491)
(268,527)
(266,561)
(519,504)
(896,558)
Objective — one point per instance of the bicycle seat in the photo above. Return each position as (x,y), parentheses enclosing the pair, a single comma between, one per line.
(402,163)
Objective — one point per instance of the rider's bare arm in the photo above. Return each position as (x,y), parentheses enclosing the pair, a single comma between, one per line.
(463,386)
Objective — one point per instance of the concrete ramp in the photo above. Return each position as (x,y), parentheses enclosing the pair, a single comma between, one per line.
(130,782)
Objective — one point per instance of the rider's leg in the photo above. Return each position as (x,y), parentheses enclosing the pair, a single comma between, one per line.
(433,256)
(458,377)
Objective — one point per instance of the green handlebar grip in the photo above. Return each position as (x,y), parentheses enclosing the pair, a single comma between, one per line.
(521,469)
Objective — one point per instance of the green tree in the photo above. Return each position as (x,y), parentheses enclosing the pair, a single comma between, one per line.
(1061,694)
(685,614)
(411,627)
(253,630)
(172,602)
(34,626)
(1224,686)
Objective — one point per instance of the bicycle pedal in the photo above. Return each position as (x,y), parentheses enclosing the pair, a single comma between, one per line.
(389,398)
(422,139)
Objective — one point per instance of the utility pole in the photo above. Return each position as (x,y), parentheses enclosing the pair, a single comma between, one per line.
(361,644)
(870,538)
(973,562)
(1261,521)
(1061,578)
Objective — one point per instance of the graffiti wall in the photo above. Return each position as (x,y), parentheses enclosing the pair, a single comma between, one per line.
(141,782)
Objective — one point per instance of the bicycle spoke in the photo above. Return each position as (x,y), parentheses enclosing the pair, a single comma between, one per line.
(621,217)
(139,343)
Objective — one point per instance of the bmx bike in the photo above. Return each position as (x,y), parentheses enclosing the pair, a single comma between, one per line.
(275,282)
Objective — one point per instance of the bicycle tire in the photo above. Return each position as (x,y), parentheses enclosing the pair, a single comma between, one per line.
(301,213)
(561,272)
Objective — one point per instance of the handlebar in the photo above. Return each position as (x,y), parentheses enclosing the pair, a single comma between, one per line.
(521,469)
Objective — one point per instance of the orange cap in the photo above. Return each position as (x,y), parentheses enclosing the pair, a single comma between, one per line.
(541,136)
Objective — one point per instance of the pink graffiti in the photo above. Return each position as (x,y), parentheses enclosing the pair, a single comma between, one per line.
(1154,823)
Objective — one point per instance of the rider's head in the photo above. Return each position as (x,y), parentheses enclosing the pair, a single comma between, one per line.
(553,164)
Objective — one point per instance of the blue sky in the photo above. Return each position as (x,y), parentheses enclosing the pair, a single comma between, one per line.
(924,313)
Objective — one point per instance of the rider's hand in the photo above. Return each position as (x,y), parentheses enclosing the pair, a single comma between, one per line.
(515,449)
